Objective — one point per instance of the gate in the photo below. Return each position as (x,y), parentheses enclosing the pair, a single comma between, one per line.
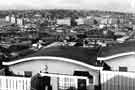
(67,82)
(112,80)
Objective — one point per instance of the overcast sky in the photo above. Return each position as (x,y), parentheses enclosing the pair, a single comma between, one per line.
(114,5)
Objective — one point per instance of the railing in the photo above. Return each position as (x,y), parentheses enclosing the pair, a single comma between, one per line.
(58,82)
(14,83)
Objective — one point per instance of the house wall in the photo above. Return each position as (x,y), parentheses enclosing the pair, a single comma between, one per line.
(20,21)
(125,61)
(54,66)
(7,18)
(113,80)
(66,21)
(80,21)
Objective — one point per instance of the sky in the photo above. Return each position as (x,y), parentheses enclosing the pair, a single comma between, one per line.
(109,5)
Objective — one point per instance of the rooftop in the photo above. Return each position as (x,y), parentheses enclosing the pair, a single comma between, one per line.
(85,55)
(117,48)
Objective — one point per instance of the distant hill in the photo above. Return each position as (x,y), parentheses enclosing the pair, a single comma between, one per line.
(61,13)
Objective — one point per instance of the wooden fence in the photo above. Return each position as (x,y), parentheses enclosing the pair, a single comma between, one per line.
(14,83)
(58,82)
(111,80)
(65,82)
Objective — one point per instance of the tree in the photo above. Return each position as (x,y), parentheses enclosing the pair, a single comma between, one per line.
(95,22)
(73,22)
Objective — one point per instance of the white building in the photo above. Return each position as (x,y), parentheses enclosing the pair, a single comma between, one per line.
(66,21)
(13,19)
(20,21)
(60,60)
(80,21)
(8,18)
(119,57)
(89,20)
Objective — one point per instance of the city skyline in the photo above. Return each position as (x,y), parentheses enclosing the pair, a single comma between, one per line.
(107,5)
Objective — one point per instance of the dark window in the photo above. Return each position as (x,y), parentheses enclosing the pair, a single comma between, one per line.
(27,73)
(85,74)
(123,69)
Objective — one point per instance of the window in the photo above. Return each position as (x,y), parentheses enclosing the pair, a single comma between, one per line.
(27,73)
(85,74)
(123,69)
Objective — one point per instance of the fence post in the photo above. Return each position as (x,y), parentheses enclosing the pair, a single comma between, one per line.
(98,87)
